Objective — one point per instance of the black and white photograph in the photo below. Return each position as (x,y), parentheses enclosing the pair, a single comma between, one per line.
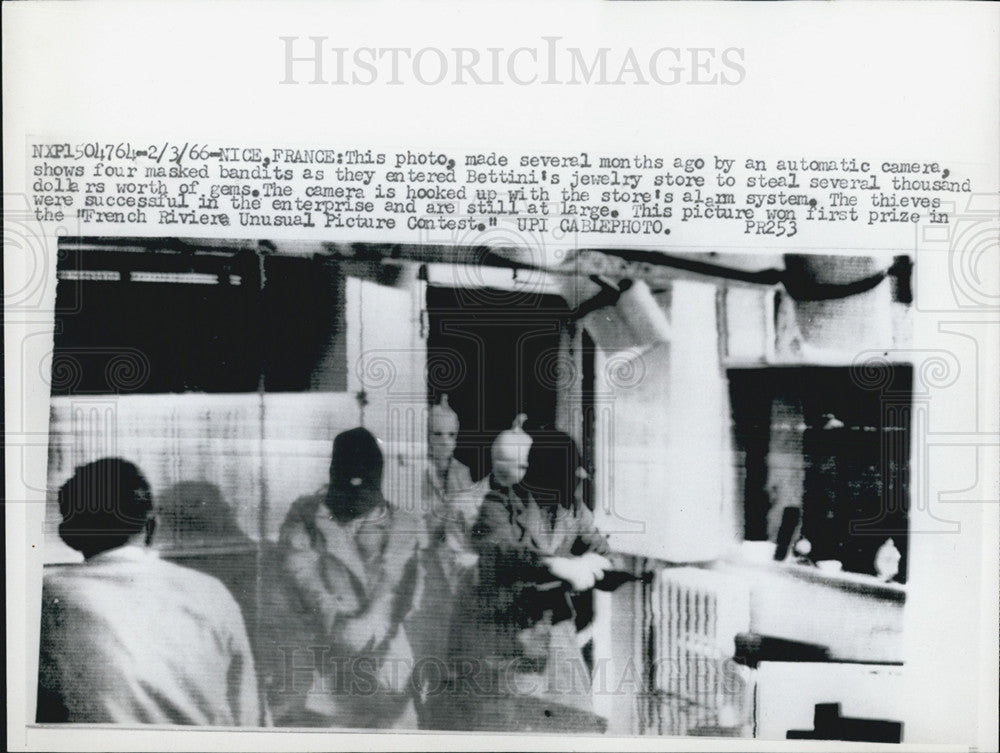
(415,487)
(580,375)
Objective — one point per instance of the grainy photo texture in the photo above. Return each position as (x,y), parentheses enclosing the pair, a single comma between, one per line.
(424,487)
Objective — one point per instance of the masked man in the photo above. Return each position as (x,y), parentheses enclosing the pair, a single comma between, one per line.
(353,562)
(127,637)
(450,500)
(449,504)
(516,637)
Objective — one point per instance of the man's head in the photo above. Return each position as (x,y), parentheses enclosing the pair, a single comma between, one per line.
(442,433)
(555,469)
(510,454)
(355,474)
(106,504)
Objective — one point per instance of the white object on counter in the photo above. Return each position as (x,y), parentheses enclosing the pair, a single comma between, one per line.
(757,551)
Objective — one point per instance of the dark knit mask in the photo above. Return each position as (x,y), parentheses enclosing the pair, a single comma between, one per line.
(355,475)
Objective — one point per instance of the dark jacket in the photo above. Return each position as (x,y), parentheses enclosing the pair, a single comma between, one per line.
(508,627)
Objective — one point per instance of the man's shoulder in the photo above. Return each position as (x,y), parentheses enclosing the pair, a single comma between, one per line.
(188,579)
(205,595)
(305,507)
(302,512)
(494,503)
(477,493)
(58,581)
(461,475)
(100,585)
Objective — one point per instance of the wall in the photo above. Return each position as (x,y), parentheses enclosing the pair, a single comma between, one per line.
(665,486)
(247,457)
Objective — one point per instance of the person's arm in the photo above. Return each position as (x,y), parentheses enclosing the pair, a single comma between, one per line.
(382,616)
(365,630)
(455,549)
(589,538)
(586,563)
(302,563)
(393,597)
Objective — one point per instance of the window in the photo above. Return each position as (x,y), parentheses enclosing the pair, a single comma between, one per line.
(833,444)
(174,319)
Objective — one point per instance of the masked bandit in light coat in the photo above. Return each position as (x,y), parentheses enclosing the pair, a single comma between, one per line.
(352,561)
(449,504)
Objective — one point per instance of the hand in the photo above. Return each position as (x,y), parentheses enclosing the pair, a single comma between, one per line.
(465,560)
(368,629)
(597,563)
(574,570)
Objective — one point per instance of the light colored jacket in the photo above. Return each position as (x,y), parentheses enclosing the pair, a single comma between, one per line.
(449,511)
(128,638)
(336,571)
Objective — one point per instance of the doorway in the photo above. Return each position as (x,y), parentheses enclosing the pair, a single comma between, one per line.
(495,354)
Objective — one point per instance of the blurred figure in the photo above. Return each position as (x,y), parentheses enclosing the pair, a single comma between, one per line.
(555,478)
(353,563)
(126,637)
(449,497)
(449,505)
(193,514)
(200,530)
(517,632)
(555,470)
